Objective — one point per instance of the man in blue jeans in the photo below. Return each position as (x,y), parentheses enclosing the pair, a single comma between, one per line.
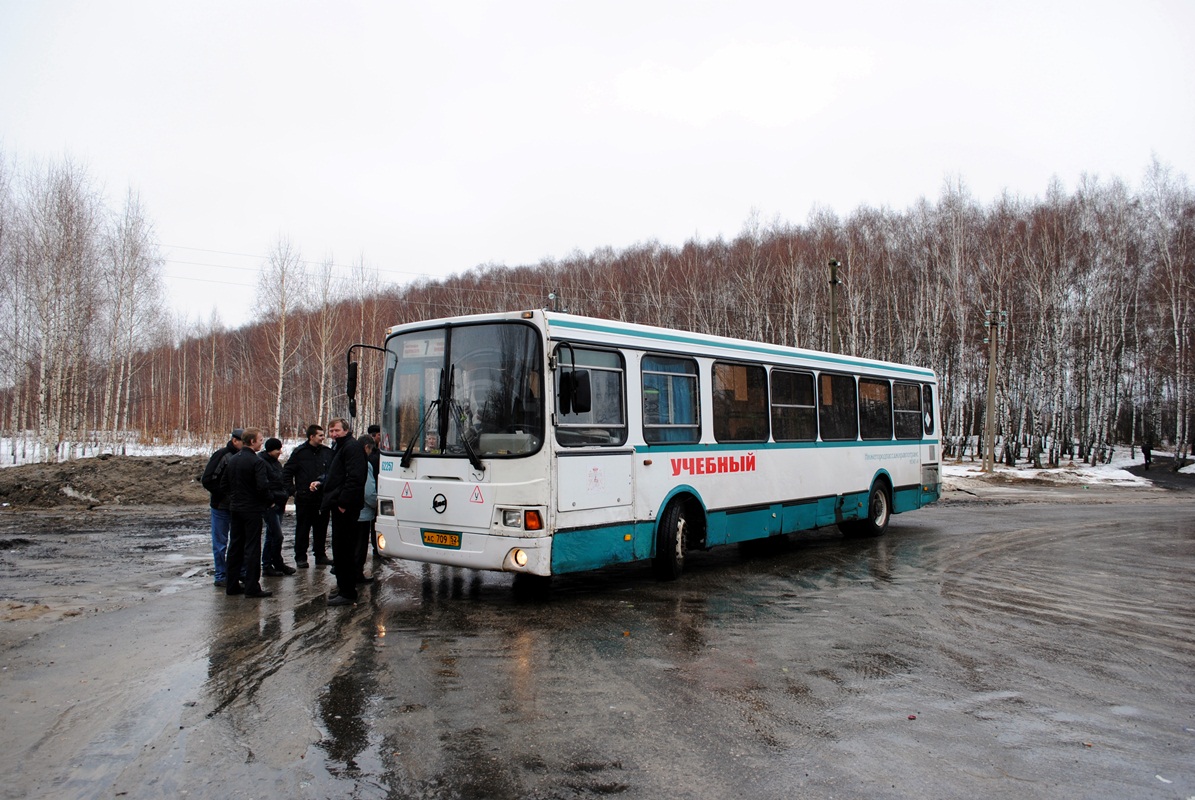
(219,503)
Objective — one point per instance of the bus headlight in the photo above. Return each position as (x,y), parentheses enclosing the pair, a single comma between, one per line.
(381,541)
(512,518)
(520,556)
(386,508)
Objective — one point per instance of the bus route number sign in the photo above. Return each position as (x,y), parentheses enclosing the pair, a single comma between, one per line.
(450,541)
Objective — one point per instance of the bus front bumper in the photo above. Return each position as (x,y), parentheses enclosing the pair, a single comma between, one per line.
(470,550)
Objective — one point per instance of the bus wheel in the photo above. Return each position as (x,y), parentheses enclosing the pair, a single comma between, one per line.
(879,512)
(670,543)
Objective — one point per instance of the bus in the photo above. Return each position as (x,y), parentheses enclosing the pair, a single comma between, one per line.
(543,443)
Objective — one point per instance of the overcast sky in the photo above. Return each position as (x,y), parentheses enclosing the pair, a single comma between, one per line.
(428,138)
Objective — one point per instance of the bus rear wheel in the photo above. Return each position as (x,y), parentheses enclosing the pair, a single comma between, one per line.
(671,537)
(879,512)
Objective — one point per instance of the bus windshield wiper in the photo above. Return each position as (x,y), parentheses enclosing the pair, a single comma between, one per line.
(458,415)
(406,456)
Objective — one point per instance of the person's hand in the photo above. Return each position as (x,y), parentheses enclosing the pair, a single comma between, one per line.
(340,509)
(314,487)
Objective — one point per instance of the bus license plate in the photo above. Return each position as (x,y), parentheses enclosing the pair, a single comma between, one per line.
(437,539)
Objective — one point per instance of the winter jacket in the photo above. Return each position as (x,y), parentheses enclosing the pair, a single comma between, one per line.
(247,483)
(278,493)
(345,485)
(307,463)
(369,511)
(213,472)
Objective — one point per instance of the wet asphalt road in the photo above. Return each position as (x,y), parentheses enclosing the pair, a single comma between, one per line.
(987,648)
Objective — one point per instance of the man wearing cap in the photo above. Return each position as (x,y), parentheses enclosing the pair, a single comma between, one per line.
(248,487)
(219,502)
(271,552)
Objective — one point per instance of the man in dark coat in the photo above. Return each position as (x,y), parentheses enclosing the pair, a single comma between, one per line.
(344,497)
(248,485)
(272,563)
(219,502)
(308,463)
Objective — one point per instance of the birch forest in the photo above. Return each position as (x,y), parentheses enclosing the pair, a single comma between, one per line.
(1087,291)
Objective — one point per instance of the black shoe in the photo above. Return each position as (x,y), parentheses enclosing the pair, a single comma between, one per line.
(340,601)
(234,588)
(332,571)
(270,572)
(302,564)
(287,569)
(220,583)
(323,561)
(257,592)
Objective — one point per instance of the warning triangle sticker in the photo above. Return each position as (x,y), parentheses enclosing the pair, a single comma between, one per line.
(406,492)
(476,496)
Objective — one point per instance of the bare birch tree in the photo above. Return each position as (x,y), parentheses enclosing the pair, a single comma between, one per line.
(280,292)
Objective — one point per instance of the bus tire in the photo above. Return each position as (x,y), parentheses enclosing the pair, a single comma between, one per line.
(671,541)
(879,512)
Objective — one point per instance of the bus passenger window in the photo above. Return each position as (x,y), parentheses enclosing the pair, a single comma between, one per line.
(875,409)
(605,423)
(740,403)
(670,400)
(837,408)
(906,399)
(794,418)
(927,409)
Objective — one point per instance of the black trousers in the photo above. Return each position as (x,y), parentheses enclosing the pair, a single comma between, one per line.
(363,537)
(244,549)
(344,550)
(310,520)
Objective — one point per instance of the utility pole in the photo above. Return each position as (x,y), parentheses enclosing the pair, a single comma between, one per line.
(834,282)
(989,419)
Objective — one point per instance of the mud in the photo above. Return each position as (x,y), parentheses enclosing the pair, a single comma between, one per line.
(105,480)
(1006,643)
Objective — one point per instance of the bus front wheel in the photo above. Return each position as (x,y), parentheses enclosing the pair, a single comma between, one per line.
(879,512)
(670,543)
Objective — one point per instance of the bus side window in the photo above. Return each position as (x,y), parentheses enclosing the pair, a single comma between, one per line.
(740,403)
(927,409)
(907,402)
(875,409)
(605,421)
(838,413)
(670,400)
(794,416)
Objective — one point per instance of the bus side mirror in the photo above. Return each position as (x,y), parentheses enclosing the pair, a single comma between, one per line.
(350,388)
(575,397)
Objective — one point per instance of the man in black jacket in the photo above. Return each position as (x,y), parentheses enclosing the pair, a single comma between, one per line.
(219,514)
(271,552)
(344,497)
(248,485)
(308,463)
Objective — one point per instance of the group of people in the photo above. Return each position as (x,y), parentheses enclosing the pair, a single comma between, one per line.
(332,486)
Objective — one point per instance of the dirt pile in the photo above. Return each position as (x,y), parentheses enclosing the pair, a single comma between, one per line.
(105,480)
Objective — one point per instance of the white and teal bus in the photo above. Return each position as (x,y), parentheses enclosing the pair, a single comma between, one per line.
(545,443)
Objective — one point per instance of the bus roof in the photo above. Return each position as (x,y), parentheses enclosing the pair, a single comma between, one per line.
(560,325)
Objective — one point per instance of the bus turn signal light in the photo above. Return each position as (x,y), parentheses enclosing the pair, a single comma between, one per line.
(532,521)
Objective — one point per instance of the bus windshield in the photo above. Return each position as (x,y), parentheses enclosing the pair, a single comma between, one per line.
(466,391)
